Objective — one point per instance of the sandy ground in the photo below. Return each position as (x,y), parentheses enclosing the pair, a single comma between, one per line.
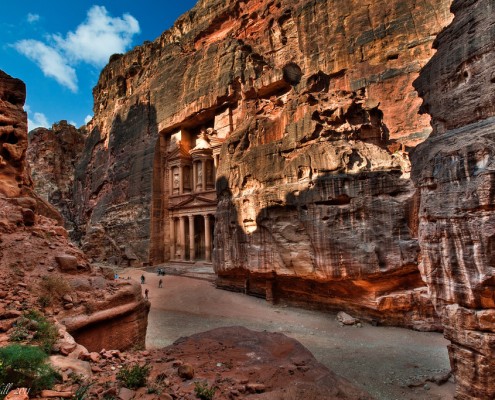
(381,360)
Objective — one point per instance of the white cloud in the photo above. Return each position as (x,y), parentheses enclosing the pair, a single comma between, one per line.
(38,120)
(93,42)
(88,118)
(100,36)
(32,18)
(50,61)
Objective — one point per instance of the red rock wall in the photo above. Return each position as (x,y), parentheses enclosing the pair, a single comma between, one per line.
(314,188)
(52,155)
(454,171)
(233,54)
(40,268)
(13,136)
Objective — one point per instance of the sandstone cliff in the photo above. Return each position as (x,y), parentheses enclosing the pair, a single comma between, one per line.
(454,171)
(40,268)
(13,135)
(316,99)
(52,155)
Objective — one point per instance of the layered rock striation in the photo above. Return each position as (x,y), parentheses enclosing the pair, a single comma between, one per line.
(316,106)
(52,155)
(40,268)
(13,136)
(324,215)
(454,171)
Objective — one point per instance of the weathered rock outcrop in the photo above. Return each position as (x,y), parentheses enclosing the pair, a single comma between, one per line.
(454,170)
(13,137)
(324,215)
(318,102)
(232,362)
(40,268)
(52,155)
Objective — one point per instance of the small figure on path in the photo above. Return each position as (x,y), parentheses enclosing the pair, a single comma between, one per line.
(160,283)
(146,294)
(142,279)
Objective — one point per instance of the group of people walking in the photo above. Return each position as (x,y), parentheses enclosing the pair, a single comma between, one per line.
(160,272)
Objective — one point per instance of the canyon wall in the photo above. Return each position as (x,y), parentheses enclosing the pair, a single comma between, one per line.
(52,155)
(455,171)
(40,268)
(317,104)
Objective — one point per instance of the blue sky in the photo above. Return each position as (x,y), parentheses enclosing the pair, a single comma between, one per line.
(58,48)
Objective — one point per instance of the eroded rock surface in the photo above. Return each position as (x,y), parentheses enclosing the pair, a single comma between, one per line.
(13,136)
(454,170)
(317,102)
(40,268)
(325,214)
(52,155)
(239,362)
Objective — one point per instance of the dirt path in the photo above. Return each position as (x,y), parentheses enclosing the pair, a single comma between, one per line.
(381,360)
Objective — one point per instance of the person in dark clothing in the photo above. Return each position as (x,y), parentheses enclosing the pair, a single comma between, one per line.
(146,294)
(142,279)
(160,283)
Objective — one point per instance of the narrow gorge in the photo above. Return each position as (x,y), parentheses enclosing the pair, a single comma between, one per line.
(333,155)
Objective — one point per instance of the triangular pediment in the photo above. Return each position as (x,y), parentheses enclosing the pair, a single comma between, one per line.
(194,201)
(179,153)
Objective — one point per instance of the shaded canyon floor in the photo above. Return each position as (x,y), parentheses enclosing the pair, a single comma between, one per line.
(389,363)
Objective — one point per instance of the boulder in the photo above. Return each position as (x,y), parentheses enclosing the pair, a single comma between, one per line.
(346,319)
(186,371)
(126,394)
(67,263)
(79,367)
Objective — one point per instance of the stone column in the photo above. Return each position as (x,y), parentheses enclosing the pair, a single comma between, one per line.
(203,175)
(182,237)
(207,238)
(181,179)
(191,239)
(195,174)
(172,238)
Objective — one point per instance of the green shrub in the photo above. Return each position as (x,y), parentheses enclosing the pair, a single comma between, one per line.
(19,333)
(134,376)
(44,301)
(203,391)
(153,390)
(25,366)
(33,327)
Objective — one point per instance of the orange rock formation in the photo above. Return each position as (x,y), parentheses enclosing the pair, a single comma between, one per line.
(39,266)
(454,171)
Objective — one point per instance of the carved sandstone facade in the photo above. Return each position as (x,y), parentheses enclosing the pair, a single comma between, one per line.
(191,162)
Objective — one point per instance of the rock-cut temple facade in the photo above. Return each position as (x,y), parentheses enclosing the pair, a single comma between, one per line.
(191,160)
